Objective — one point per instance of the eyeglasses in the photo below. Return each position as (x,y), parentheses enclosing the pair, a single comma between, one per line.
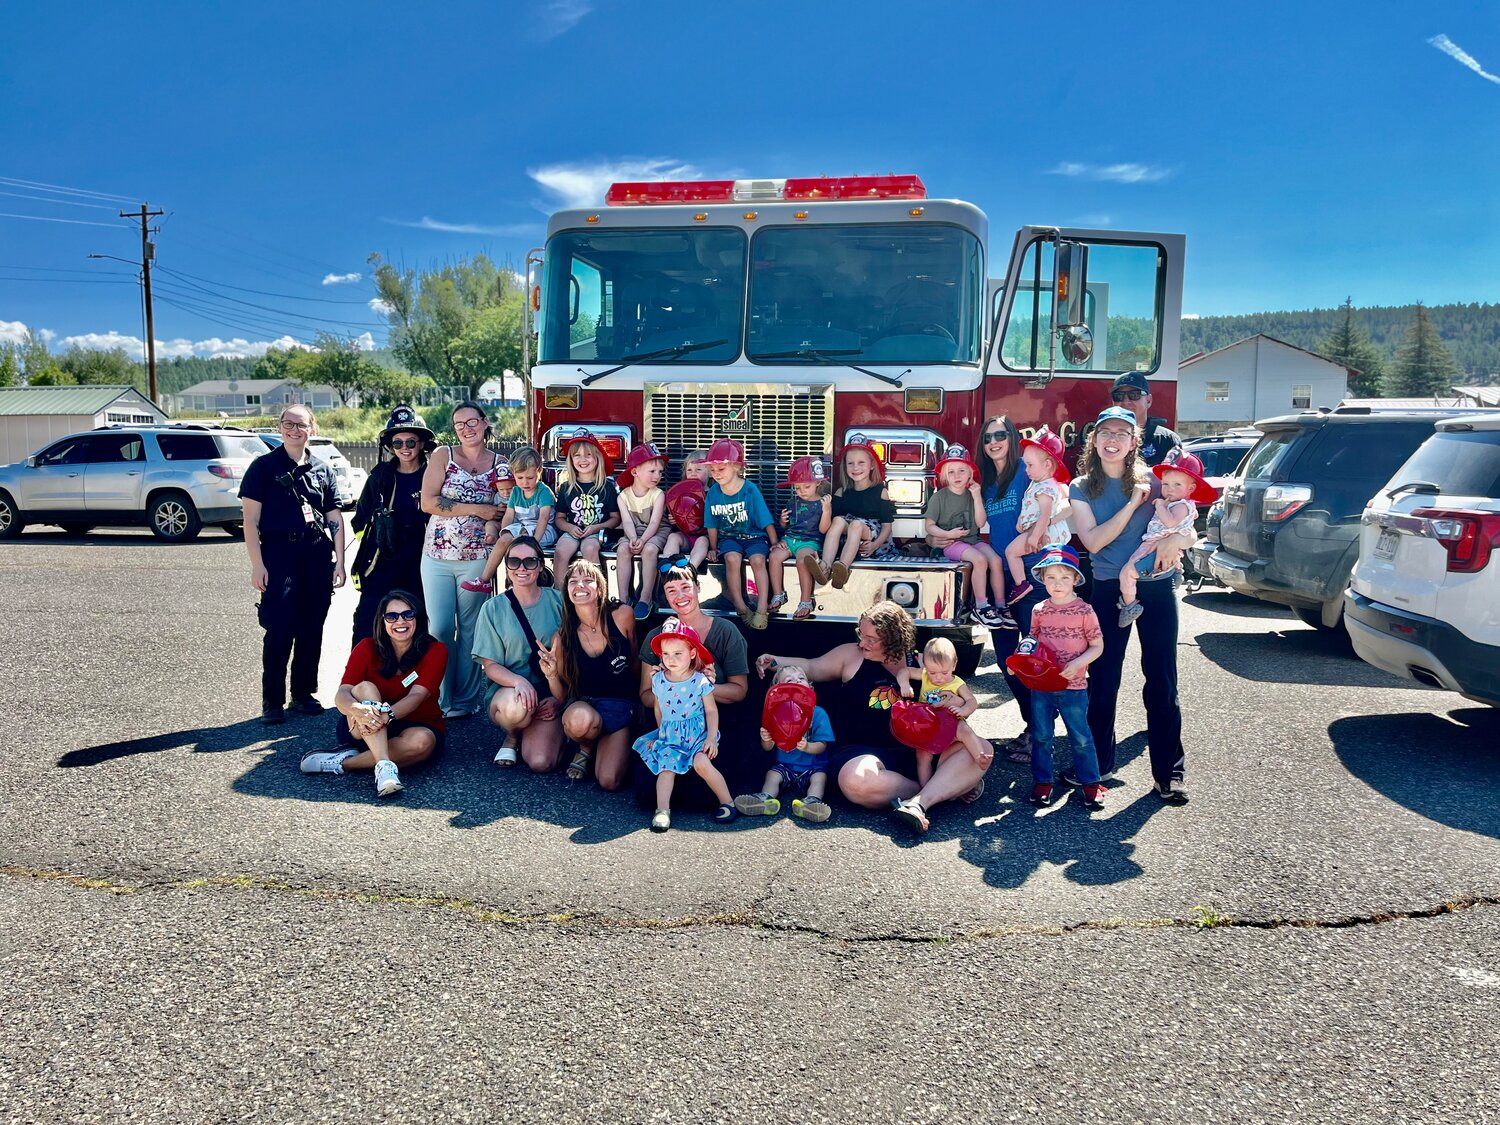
(996,435)
(1127,394)
(1113,435)
(395,615)
(288,425)
(525,562)
(471,424)
(405,443)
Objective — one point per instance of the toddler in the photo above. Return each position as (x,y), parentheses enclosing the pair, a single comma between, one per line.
(528,511)
(739,526)
(955,517)
(804,766)
(1044,508)
(807,518)
(643,523)
(941,687)
(1066,624)
(685,501)
(687,722)
(863,515)
(1172,514)
(587,501)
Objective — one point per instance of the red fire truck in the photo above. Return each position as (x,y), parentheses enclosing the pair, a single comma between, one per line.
(792,315)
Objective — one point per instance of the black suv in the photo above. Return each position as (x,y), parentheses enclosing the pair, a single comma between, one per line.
(1290,532)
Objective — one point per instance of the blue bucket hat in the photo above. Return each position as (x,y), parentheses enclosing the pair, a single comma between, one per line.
(1058,554)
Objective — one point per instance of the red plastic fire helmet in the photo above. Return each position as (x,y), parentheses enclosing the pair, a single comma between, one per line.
(923,727)
(788,713)
(807,470)
(725,451)
(685,503)
(1036,666)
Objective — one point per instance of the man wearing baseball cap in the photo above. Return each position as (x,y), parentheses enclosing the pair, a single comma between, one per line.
(1157,440)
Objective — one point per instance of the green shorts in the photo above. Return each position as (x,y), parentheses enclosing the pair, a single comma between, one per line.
(795,543)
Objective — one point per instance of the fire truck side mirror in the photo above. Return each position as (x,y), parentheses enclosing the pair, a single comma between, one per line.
(1076,342)
(1070,281)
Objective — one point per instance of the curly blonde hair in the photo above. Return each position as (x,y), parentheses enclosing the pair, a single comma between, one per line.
(893,625)
(1091,476)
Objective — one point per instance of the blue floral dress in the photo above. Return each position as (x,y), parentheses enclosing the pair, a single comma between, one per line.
(684,728)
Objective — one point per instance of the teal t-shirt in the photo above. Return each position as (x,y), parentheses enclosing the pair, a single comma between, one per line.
(498,636)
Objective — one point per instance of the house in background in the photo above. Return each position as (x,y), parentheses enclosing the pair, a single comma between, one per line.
(1487,398)
(1257,377)
(240,398)
(505,391)
(30,417)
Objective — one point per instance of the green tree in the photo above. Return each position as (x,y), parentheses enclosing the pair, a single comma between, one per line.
(276,363)
(51,376)
(490,344)
(1348,344)
(113,367)
(34,356)
(10,365)
(338,364)
(1423,366)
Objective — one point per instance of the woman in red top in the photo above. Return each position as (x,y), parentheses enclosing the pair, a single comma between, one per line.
(388,700)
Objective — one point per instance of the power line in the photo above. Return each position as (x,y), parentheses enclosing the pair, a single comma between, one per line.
(274,249)
(58,269)
(36,185)
(59,202)
(215,319)
(270,269)
(50,219)
(221,297)
(68,280)
(262,292)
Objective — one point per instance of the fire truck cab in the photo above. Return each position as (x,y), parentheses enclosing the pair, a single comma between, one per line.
(792,315)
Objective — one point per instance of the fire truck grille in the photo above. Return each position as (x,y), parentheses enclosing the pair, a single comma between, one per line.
(776,423)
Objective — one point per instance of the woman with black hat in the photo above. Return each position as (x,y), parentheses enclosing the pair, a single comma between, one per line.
(389,519)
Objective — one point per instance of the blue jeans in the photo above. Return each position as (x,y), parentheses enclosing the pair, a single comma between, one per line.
(1073,706)
(452,613)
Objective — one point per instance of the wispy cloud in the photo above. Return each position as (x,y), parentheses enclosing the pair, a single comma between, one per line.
(12,332)
(584,185)
(503,230)
(1458,54)
(341,278)
(383,308)
(558,17)
(1113,173)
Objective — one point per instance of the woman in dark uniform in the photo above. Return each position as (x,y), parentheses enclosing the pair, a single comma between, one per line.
(294,532)
(389,518)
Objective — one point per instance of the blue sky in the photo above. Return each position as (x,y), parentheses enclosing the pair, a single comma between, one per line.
(1308,151)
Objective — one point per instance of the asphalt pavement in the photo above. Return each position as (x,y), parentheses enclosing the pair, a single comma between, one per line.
(190,929)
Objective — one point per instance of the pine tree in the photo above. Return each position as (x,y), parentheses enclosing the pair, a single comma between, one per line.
(1423,366)
(1347,344)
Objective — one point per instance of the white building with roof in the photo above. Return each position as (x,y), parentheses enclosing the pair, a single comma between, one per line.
(246,397)
(1257,377)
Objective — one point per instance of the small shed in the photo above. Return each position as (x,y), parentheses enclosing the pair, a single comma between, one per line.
(30,417)
(1257,377)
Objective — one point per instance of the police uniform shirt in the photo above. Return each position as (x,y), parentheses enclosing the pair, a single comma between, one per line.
(1158,441)
(281,507)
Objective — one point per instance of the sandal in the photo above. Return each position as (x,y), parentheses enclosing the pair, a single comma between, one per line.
(913,815)
(822,571)
(777,601)
(578,768)
(759,620)
(839,575)
(973,794)
(726,814)
(1018,749)
(745,615)
(804,610)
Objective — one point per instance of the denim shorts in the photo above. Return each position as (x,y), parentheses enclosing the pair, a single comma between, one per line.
(614,714)
(747,547)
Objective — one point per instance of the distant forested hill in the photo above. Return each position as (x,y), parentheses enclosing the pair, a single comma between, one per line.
(1472,332)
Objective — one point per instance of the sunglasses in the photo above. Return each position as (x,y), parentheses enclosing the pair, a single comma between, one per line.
(527,562)
(996,435)
(1128,395)
(405,443)
(395,615)
(681,562)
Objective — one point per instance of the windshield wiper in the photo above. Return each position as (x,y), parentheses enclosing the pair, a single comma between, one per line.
(829,356)
(674,352)
(1425,487)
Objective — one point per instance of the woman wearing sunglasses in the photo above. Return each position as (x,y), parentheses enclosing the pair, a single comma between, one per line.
(389,519)
(513,630)
(388,717)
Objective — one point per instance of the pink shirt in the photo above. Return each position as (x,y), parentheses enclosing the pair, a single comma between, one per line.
(1068,630)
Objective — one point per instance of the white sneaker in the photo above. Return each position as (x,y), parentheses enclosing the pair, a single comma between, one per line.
(506,756)
(456,713)
(326,761)
(387,779)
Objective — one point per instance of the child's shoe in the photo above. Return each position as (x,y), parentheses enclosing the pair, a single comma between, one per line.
(1129,611)
(661,821)
(777,601)
(757,804)
(727,814)
(477,586)
(839,574)
(813,808)
(1041,795)
(642,611)
(759,620)
(1093,797)
(1018,593)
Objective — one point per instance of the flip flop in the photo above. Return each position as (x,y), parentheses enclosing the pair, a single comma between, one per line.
(578,768)
(911,814)
(974,794)
(777,601)
(804,610)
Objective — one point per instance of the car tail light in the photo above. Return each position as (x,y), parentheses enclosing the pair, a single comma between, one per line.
(1281,500)
(666,191)
(1468,537)
(228,472)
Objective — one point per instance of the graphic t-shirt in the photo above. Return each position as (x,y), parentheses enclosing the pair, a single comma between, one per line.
(1068,630)
(587,504)
(933,693)
(804,516)
(743,515)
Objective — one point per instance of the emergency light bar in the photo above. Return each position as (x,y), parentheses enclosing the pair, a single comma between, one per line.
(765,191)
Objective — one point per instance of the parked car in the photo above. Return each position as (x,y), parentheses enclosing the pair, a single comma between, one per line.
(1221,455)
(1290,531)
(1424,599)
(172,480)
(348,480)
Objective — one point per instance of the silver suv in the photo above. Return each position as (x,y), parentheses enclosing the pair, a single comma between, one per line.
(170,479)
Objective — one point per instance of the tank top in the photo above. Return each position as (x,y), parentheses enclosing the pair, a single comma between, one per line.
(461,538)
(865,716)
(607,676)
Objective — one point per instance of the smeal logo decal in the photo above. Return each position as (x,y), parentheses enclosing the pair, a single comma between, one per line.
(737,421)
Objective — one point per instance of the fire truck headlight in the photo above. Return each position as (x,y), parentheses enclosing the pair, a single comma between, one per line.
(903,592)
(907,491)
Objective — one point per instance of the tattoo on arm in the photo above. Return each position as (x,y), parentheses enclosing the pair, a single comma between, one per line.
(444,504)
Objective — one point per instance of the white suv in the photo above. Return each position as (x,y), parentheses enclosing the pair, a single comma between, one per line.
(1424,599)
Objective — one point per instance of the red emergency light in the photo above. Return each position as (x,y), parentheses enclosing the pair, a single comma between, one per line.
(856,187)
(670,191)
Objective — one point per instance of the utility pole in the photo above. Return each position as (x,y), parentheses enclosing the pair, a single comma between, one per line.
(148,251)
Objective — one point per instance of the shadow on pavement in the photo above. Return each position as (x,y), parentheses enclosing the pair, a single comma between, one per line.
(1444,767)
(1296,656)
(123,537)
(204,740)
(1236,605)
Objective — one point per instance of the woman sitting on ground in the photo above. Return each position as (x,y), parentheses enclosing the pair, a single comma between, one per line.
(388,701)
(872,769)
(591,667)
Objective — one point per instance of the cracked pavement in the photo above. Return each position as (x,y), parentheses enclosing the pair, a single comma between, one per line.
(191,929)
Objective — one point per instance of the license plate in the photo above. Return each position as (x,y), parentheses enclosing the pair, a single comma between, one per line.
(1385,546)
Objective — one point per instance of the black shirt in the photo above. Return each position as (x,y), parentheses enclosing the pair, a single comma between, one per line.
(1157,442)
(266,481)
